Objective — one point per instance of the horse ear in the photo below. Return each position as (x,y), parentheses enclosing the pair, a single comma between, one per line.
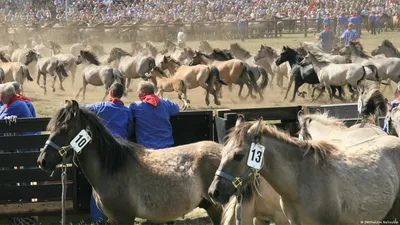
(260,125)
(67,103)
(240,119)
(75,106)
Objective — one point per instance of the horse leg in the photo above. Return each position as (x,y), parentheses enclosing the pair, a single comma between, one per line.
(54,81)
(128,84)
(61,82)
(207,88)
(105,95)
(38,78)
(240,91)
(44,83)
(73,71)
(213,211)
(328,87)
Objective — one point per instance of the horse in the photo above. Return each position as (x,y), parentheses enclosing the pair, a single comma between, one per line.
(50,65)
(371,103)
(9,49)
(239,52)
(25,56)
(331,74)
(322,127)
(195,76)
(204,46)
(388,68)
(319,181)
(271,54)
(170,64)
(393,120)
(387,48)
(13,71)
(130,181)
(96,74)
(70,62)
(131,67)
(231,71)
(136,47)
(169,84)
(300,74)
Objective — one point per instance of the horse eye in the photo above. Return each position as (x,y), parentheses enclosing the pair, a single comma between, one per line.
(238,157)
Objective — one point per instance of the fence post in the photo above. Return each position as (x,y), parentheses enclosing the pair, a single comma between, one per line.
(305,26)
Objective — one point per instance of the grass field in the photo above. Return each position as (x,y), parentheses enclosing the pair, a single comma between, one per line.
(46,105)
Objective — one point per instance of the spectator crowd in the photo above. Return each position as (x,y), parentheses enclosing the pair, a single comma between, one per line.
(34,11)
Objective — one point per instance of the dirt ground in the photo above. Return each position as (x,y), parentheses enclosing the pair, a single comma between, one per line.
(46,105)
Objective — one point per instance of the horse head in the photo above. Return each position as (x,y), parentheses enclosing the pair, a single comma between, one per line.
(60,69)
(4,58)
(370,101)
(287,54)
(386,47)
(116,54)
(233,174)
(64,125)
(32,56)
(197,59)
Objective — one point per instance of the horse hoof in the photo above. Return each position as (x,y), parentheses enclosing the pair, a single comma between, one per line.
(130,90)
(62,89)
(217,102)
(207,102)
(253,97)
(54,90)
(292,100)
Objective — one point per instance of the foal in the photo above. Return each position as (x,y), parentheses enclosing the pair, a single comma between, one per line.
(169,84)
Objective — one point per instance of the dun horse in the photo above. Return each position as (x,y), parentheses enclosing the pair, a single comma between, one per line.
(169,84)
(50,65)
(96,74)
(131,67)
(14,71)
(130,181)
(319,182)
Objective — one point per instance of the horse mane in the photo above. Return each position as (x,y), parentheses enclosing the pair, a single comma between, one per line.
(360,50)
(321,58)
(322,150)
(237,47)
(389,44)
(376,100)
(205,43)
(159,70)
(225,53)
(174,61)
(120,52)
(113,152)
(300,50)
(323,118)
(90,57)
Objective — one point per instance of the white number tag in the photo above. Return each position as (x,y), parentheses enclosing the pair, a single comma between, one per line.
(359,105)
(256,156)
(80,141)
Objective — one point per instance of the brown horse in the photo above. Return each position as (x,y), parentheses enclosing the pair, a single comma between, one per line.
(13,71)
(169,84)
(130,181)
(231,71)
(170,64)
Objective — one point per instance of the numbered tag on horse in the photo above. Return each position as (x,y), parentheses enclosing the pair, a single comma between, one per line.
(359,105)
(256,156)
(80,141)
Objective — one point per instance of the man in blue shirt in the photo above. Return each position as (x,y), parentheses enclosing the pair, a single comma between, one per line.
(242,23)
(349,35)
(371,21)
(13,106)
(342,23)
(118,120)
(152,118)
(27,101)
(326,36)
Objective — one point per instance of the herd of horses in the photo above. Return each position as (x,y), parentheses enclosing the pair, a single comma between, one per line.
(329,174)
(175,69)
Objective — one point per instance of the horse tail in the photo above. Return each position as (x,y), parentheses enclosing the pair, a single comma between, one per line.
(117,75)
(364,74)
(264,81)
(252,78)
(25,72)
(2,75)
(245,70)
(374,70)
(215,72)
(152,63)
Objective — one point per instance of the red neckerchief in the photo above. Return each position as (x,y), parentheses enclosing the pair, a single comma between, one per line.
(13,99)
(398,95)
(115,100)
(151,99)
(21,97)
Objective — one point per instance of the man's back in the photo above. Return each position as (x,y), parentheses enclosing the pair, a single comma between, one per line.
(16,108)
(115,116)
(152,123)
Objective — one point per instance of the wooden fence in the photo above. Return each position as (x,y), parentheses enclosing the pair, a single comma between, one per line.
(16,192)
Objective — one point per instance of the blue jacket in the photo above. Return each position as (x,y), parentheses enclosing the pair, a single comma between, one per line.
(377,18)
(326,38)
(342,20)
(115,116)
(371,18)
(31,108)
(349,35)
(327,20)
(152,123)
(17,108)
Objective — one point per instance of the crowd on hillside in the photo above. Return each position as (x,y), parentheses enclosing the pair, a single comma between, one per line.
(182,10)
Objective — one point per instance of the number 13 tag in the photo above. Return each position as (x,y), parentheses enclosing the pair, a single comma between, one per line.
(256,156)
(80,141)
